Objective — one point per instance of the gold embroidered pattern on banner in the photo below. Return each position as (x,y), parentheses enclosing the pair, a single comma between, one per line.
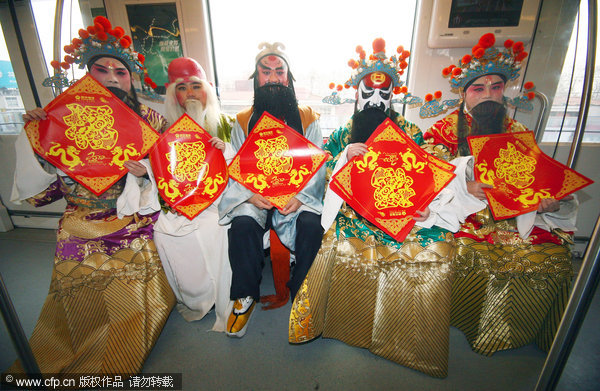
(297,176)
(345,179)
(211,185)
(97,183)
(149,136)
(389,134)
(477,145)
(394,225)
(392,188)
(192,210)
(33,134)
(190,165)
(515,167)
(268,123)
(279,201)
(500,209)
(440,177)
(571,181)
(271,155)
(91,126)
(234,168)
(170,188)
(68,157)
(88,86)
(184,125)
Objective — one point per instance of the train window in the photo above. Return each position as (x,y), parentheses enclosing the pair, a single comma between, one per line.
(44,10)
(320,37)
(11,105)
(565,107)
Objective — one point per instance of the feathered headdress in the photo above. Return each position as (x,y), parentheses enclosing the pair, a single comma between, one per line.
(484,59)
(101,39)
(393,66)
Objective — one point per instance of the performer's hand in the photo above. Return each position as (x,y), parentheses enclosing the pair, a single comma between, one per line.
(356,149)
(217,143)
(135,167)
(422,214)
(292,206)
(36,114)
(476,189)
(260,202)
(551,205)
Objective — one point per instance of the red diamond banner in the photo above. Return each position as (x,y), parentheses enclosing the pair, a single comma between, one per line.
(276,161)
(89,133)
(522,175)
(190,173)
(392,181)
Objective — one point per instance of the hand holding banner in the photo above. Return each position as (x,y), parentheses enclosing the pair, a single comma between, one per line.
(522,175)
(392,181)
(89,133)
(276,161)
(190,173)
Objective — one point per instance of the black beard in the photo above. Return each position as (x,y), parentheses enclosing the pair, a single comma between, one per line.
(488,118)
(279,101)
(130,101)
(364,124)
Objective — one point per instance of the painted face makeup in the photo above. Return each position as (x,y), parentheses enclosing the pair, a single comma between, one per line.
(110,72)
(272,70)
(484,88)
(190,90)
(375,91)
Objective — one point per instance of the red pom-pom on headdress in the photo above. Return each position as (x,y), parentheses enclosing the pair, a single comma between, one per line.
(83,33)
(487,40)
(378,45)
(331,85)
(400,49)
(479,52)
(428,98)
(530,95)
(141,58)
(521,56)
(102,21)
(508,43)
(456,71)
(352,63)
(55,64)
(437,94)
(529,85)
(466,59)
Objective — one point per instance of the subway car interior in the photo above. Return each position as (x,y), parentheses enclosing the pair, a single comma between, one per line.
(223,36)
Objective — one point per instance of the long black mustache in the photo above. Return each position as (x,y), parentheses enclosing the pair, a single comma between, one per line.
(364,124)
(488,118)
(279,101)
(130,100)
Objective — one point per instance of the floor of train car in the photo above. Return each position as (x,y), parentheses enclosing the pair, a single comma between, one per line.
(263,360)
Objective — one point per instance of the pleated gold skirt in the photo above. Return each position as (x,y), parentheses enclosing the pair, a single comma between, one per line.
(508,296)
(104,313)
(394,303)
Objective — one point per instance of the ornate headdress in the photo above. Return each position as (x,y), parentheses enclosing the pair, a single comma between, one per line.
(101,39)
(393,66)
(484,59)
(275,49)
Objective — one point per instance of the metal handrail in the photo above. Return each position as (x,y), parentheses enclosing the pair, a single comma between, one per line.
(588,82)
(587,281)
(538,123)
(577,307)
